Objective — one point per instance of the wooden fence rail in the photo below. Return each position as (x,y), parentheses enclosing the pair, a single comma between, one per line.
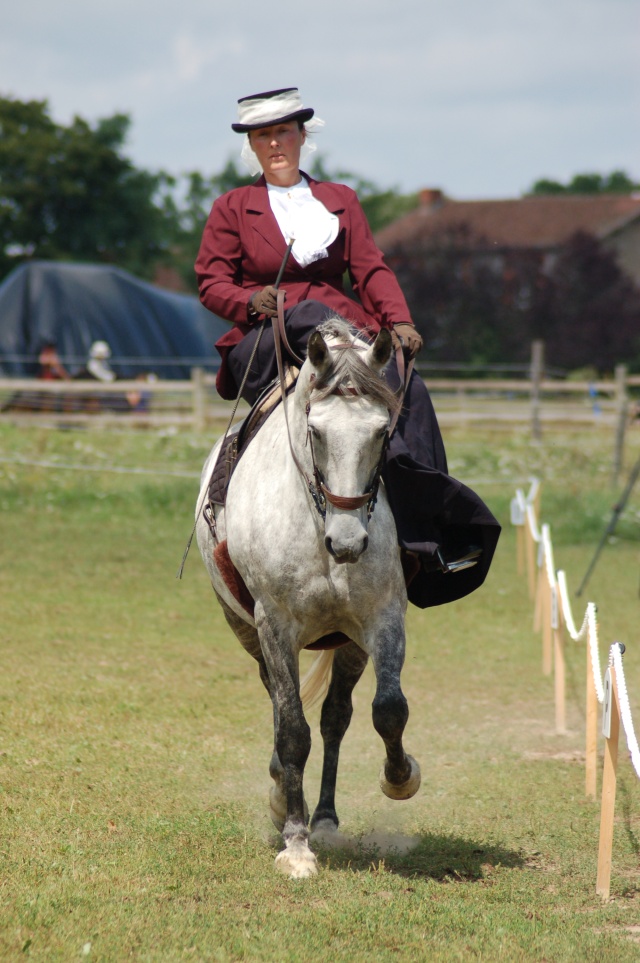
(506,401)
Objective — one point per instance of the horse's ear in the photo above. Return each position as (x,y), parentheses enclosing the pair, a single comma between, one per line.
(380,351)
(318,352)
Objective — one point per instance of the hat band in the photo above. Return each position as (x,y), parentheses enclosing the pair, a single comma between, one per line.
(263,111)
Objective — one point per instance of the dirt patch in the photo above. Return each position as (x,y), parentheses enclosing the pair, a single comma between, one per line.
(545,755)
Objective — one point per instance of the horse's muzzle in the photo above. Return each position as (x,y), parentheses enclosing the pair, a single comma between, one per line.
(346,553)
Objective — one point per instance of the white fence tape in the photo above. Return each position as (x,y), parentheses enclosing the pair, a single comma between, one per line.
(625,710)
(157,472)
(589,629)
(523,508)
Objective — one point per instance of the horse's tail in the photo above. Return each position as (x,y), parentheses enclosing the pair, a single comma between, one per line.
(314,685)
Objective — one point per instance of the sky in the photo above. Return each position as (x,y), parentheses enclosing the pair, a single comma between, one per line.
(479,99)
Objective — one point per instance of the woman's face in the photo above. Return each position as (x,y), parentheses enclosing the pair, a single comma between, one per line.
(278,151)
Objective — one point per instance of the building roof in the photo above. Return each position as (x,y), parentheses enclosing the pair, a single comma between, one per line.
(532,222)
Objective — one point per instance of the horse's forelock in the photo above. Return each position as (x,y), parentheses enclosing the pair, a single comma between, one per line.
(348,369)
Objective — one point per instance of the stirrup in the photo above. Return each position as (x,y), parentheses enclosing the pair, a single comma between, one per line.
(462,563)
(437,562)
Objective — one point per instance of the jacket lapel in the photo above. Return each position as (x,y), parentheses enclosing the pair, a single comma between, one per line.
(326,193)
(260,216)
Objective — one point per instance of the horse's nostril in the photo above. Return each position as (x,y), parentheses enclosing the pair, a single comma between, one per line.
(328,545)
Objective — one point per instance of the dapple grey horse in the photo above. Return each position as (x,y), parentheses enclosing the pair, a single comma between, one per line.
(310,534)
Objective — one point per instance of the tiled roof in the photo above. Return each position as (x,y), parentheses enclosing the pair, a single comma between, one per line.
(531,222)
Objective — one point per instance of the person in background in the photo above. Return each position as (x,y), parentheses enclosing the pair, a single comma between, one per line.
(98,366)
(50,366)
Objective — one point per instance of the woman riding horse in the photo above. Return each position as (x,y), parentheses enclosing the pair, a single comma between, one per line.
(447,533)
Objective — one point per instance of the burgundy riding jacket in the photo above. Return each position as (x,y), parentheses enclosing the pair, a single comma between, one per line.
(242,249)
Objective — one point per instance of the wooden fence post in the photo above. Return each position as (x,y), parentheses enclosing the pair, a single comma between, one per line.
(199,398)
(622,414)
(547,631)
(530,549)
(520,548)
(591,748)
(558,662)
(611,731)
(537,369)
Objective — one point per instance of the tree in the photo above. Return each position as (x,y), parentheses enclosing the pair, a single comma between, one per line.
(472,306)
(618,182)
(586,309)
(468,307)
(67,192)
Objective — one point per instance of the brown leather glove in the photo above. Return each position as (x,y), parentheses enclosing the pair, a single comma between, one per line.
(407,337)
(264,302)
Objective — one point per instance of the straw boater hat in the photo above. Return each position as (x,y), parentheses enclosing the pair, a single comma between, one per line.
(272,107)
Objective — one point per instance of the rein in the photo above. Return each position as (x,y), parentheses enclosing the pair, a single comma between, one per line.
(319,492)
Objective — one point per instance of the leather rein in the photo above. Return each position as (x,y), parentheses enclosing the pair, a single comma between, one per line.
(319,492)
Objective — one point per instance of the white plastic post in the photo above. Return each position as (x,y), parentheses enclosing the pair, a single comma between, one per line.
(611,731)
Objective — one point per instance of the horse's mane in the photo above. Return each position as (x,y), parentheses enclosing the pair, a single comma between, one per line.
(348,370)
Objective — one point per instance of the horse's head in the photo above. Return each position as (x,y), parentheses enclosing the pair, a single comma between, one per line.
(348,407)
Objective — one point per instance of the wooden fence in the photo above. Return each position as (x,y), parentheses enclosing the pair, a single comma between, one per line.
(534,404)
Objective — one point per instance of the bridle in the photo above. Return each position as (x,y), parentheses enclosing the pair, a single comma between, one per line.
(319,492)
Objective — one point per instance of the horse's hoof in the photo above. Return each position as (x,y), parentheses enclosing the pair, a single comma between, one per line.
(278,807)
(297,861)
(406,789)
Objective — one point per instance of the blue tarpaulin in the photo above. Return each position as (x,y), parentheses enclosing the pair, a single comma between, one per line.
(73,305)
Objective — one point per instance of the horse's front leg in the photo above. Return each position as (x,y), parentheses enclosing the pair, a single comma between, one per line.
(292,746)
(400,774)
(349,663)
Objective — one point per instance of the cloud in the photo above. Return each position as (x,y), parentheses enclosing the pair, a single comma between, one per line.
(478,98)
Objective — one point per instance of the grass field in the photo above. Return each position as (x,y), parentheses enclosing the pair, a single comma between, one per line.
(135,735)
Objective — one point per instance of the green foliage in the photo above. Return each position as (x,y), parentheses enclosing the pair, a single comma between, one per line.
(482,310)
(617,182)
(586,308)
(68,193)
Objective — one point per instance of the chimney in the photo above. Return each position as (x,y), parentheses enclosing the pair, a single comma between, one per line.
(431,197)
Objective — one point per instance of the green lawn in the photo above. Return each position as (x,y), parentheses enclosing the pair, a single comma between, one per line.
(135,735)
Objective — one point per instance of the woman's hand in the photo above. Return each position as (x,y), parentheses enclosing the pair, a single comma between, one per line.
(265,301)
(406,336)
